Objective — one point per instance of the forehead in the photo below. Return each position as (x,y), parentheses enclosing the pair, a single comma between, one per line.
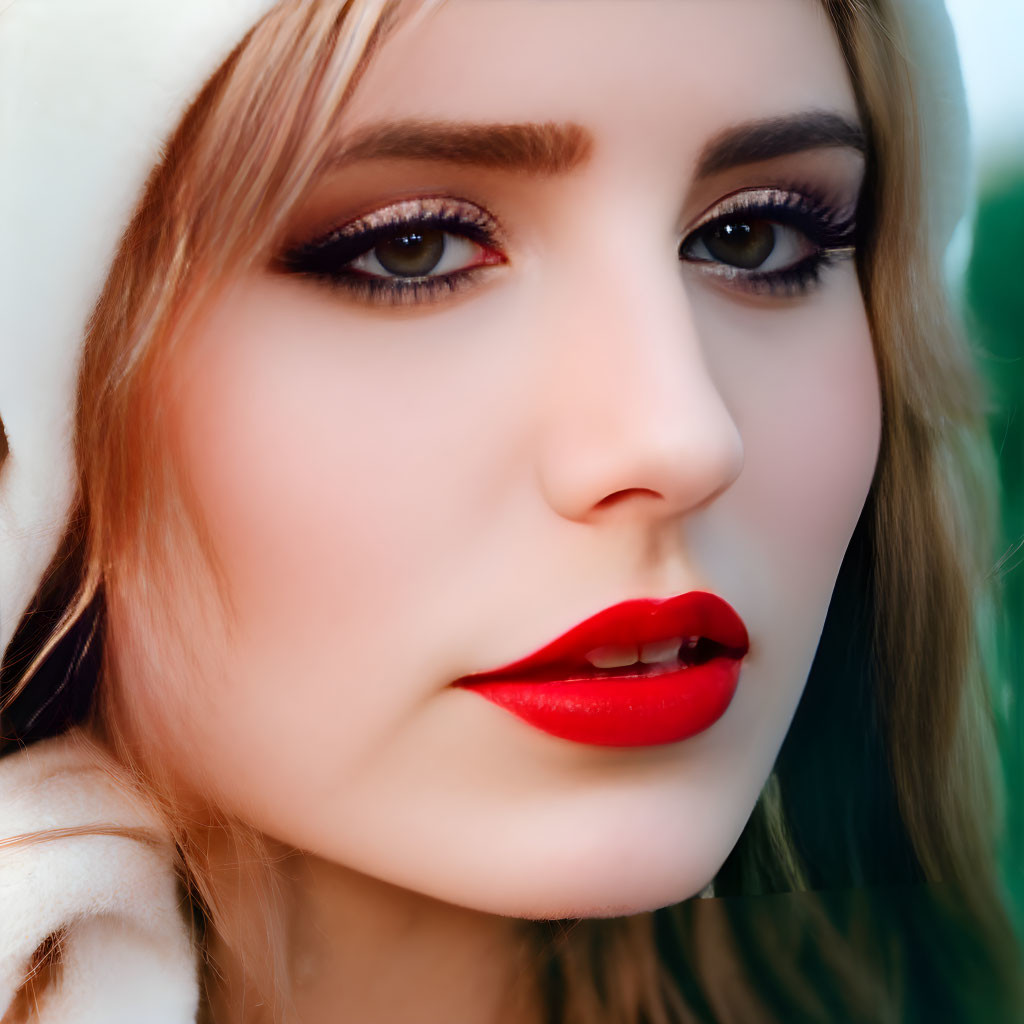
(650,68)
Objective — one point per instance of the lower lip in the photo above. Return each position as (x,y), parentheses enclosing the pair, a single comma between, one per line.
(621,711)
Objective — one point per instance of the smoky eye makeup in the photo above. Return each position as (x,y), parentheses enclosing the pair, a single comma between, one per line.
(768,241)
(409,252)
(772,241)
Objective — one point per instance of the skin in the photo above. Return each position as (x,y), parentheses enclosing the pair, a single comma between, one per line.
(397,497)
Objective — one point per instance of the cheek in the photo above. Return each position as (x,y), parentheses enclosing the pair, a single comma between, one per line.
(804,390)
(327,457)
(303,464)
(803,387)
(305,485)
(800,381)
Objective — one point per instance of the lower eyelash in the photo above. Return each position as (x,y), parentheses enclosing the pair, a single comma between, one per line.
(789,283)
(396,291)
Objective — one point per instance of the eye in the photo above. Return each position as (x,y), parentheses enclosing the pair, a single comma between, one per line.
(406,253)
(749,244)
(770,241)
(420,252)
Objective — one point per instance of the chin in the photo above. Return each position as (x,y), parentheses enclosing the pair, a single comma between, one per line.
(624,897)
(594,887)
(621,901)
(595,908)
(631,869)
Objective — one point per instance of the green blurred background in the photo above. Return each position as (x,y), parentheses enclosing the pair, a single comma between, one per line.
(989,36)
(994,293)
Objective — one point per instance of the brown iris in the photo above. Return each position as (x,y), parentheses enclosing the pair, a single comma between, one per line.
(743,244)
(414,254)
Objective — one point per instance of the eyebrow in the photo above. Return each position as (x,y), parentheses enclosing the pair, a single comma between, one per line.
(551,148)
(535,148)
(779,136)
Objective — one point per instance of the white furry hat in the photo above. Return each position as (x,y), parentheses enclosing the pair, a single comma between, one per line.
(89,92)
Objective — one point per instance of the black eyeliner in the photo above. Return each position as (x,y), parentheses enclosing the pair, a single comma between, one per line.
(324,258)
(327,259)
(833,232)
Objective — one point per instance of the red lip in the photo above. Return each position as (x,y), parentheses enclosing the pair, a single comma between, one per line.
(558,691)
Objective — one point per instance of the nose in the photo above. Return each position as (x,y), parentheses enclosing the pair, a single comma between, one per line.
(635,427)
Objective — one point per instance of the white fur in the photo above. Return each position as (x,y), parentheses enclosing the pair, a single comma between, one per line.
(89,91)
(127,955)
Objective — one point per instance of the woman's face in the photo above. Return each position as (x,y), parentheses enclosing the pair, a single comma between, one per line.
(619,353)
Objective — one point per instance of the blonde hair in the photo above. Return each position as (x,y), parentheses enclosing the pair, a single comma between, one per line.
(917,570)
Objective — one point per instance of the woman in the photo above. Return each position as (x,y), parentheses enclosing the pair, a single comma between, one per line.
(469,440)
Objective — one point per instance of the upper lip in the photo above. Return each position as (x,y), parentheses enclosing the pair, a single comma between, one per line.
(636,622)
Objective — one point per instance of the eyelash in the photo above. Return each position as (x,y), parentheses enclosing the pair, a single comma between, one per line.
(329,258)
(832,233)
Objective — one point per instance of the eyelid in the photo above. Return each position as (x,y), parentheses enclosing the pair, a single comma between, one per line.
(459,213)
(745,200)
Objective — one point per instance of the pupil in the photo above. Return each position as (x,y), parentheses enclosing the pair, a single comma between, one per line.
(743,244)
(414,254)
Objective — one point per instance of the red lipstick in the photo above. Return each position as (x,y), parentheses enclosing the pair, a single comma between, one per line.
(641,673)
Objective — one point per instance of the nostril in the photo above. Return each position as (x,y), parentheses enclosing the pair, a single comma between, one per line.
(619,496)
(4,447)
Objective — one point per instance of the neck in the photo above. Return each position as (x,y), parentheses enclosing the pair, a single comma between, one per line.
(356,948)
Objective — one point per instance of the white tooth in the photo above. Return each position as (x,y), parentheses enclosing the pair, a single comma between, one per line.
(612,657)
(691,642)
(660,650)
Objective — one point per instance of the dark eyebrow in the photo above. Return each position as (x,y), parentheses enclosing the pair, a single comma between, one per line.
(545,148)
(779,136)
